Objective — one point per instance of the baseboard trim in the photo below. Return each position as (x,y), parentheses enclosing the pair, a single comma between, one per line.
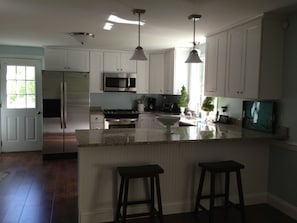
(107,214)
(282,205)
(59,156)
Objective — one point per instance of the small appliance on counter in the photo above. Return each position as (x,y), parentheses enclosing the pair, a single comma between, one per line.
(222,116)
(170,108)
(151,104)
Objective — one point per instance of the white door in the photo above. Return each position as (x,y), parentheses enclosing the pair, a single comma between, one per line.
(21,125)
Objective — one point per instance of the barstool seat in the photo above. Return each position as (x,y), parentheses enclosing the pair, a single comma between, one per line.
(215,168)
(133,172)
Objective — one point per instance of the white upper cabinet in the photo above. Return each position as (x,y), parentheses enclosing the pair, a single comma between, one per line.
(254,60)
(118,62)
(96,72)
(59,59)
(142,78)
(255,55)
(243,67)
(215,65)
(176,70)
(156,73)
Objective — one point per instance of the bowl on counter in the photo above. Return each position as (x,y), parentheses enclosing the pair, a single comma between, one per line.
(168,121)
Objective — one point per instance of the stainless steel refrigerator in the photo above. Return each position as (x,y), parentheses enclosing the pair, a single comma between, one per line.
(65,109)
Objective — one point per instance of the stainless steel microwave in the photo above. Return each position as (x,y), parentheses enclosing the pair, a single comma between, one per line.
(119,82)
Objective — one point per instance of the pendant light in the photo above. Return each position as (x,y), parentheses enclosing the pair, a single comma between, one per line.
(138,53)
(194,57)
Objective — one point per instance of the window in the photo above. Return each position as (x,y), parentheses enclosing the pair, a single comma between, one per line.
(196,85)
(20,87)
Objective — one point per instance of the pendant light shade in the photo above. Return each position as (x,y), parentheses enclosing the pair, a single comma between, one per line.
(194,56)
(138,53)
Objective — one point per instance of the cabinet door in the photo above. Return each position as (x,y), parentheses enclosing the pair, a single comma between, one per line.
(169,72)
(243,68)
(181,70)
(96,121)
(176,71)
(67,60)
(96,72)
(78,60)
(252,41)
(128,65)
(111,62)
(142,79)
(156,78)
(55,59)
(235,64)
(215,65)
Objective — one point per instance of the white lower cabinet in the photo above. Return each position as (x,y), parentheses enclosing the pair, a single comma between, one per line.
(96,121)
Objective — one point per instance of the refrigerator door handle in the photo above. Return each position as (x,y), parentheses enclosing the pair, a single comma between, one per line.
(62,106)
(65,105)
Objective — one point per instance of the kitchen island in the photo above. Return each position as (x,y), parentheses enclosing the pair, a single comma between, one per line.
(101,151)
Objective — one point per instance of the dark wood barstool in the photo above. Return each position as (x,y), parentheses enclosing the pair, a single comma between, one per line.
(133,172)
(215,168)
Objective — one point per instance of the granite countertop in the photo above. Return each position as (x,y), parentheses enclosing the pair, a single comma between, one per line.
(103,137)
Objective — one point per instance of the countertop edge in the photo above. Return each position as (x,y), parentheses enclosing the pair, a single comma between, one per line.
(237,133)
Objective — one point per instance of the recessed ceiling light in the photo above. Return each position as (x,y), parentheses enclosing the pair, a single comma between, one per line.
(108,26)
(116,19)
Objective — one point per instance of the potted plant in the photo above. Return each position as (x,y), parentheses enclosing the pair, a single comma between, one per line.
(183,100)
(207,106)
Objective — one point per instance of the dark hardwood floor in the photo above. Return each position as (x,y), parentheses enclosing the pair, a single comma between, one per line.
(39,191)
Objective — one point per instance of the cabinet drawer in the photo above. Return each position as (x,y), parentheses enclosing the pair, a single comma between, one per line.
(96,125)
(97,118)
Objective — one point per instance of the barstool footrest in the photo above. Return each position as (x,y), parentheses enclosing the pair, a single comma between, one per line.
(138,202)
(215,196)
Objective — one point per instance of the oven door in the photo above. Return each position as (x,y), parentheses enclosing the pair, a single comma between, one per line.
(121,123)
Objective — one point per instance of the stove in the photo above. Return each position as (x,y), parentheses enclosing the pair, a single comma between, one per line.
(121,118)
(121,113)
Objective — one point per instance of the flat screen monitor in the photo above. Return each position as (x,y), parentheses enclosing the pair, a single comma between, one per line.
(259,115)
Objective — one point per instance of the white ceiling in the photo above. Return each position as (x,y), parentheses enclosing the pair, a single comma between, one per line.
(47,22)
